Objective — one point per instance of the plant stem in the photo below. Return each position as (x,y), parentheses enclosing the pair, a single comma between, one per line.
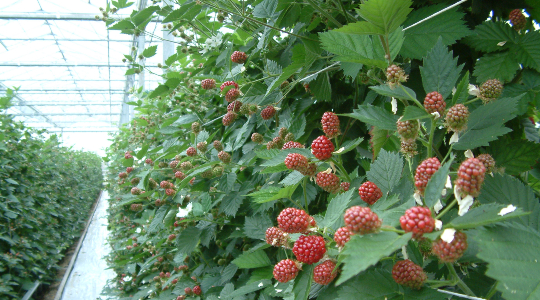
(322,11)
(343,10)
(460,282)
(393,229)
(304,184)
(413,99)
(471,101)
(431,133)
(447,154)
(439,283)
(341,169)
(446,209)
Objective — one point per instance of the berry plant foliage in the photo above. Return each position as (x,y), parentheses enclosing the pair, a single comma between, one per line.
(46,194)
(332,150)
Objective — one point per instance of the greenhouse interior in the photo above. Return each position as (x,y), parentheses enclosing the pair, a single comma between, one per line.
(269,149)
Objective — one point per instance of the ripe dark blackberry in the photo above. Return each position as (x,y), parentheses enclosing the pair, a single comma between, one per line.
(325,272)
(309,249)
(417,220)
(490,90)
(296,161)
(293,220)
(345,186)
(362,220)
(407,273)
(488,162)
(471,174)
(408,148)
(434,102)
(424,171)
(322,148)
(328,182)
(227,83)
(217,145)
(191,151)
(289,145)
(330,124)
(276,237)
(234,106)
(408,130)
(179,175)
(517,19)
(394,75)
(369,192)
(224,157)
(257,138)
(202,146)
(229,118)
(268,112)
(238,57)
(450,252)
(286,270)
(342,236)
(208,84)
(457,117)
(232,95)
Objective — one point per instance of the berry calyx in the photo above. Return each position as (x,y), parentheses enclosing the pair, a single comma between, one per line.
(434,103)
(276,237)
(417,220)
(325,272)
(293,220)
(322,148)
(232,95)
(238,57)
(369,192)
(208,84)
(330,124)
(328,182)
(407,273)
(296,161)
(490,90)
(457,117)
(289,145)
(309,249)
(470,177)
(424,171)
(342,236)
(362,220)
(517,19)
(408,130)
(268,112)
(488,162)
(227,83)
(450,252)
(286,270)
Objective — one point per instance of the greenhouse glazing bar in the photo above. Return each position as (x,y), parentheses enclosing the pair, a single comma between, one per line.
(55,64)
(66,114)
(58,16)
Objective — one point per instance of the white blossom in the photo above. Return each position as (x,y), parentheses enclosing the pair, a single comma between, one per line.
(438,206)
(418,199)
(473,90)
(138,230)
(438,224)
(454,139)
(404,252)
(394,105)
(127,278)
(184,212)
(465,203)
(510,208)
(469,154)
(448,235)
(448,184)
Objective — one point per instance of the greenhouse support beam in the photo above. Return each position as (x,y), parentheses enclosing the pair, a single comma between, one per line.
(45,92)
(64,40)
(56,64)
(90,131)
(65,114)
(59,16)
(68,90)
(69,103)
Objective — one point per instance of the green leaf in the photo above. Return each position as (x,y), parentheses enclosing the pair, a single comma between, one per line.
(157,222)
(488,35)
(251,260)
(336,208)
(529,89)
(351,69)
(122,25)
(372,284)
(386,170)
(486,123)
(255,226)
(321,87)
(400,92)
(387,15)
(127,162)
(188,240)
(363,251)
(440,70)
(501,65)
(414,113)
(351,48)
(514,156)
(527,51)
(350,145)
(436,184)
(143,15)
(483,215)
(273,193)
(302,283)
(374,115)
(150,51)
(512,255)
(160,90)
(298,60)
(361,27)
(293,178)
(249,288)
(265,9)
(381,138)
(185,119)
(462,91)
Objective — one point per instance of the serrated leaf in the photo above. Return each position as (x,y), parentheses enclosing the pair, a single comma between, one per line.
(302,283)
(271,194)
(298,126)
(501,65)
(336,208)
(483,215)
(188,240)
(514,156)
(385,14)
(361,27)
(255,226)
(127,162)
(440,70)
(228,273)
(462,91)
(529,88)
(251,260)
(185,119)
(414,113)
(373,284)
(512,255)
(399,92)
(527,50)
(150,51)
(351,48)
(386,170)
(436,184)
(160,90)
(293,178)
(374,115)
(250,288)
(381,138)
(488,35)
(363,251)
(265,9)
(351,69)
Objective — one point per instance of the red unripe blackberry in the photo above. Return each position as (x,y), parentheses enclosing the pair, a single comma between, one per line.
(180,175)
(457,117)
(191,151)
(173,164)
(188,291)
(123,175)
(408,130)
(310,171)
(227,83)
(296,161)
(234,106)
(171,237)
(470,177)
(407,273)
(271,145)
(232,95)
(345,186)
(224,157)
(517,19)
(408,148)
(208,84)
(328,182)
(165,184)
(174,281)
(196,127)
(395,74)
(417,220)
(276,237)
(128,156)
(202,146)
(309,249)
(286,270)
(325,272)
(129,170)
(257,138)
(322,148)
(186,166)
(488,162)
(278,141)
(229,118)
(148,161)
(330,124)
(490,90)
(197,290)
(434,102)
(293,220)
(289,145)
(136,207)
(450,252)
(268,112)
(170,192)
(238,57)
(217,145)
(362,220)
(424,171)
(342,236)
(369,192)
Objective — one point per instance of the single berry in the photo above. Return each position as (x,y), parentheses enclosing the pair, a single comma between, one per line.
(227,83)
(192,181)
(276,237)
(417,220)
(325,272)
(234,106)
(407,273)
(149,161)
(202,146)
(123,175)
(162,164)
(470,177)
(278,142)
(268,112)
(238,57)
(197,290)
(172,237)
(488,162)
(284,85)
(369,192)
(135,181)
(408,148)
(425,245)
(218,171)
(224,157)
(424,171)
(165,184)
(408,130)
(129,170)
(188,291)
(173,164)
(217,145)
(345,186)
(434,102)
(271,145)
(208,84)
(128,156)
(289,145)
(395,75)
(328,182)
(450,252)
(490,90)
(296,161)
(517,19)
(362,220)
(342,236)
(229,118)
(170,192)
(289,137)
(322,148)
(309,249)
(283,132)
(257,138)
(196,127)
(186,166)
(310,171)
(191,151)
(293,220)
(330,124)
(136,191)
(286,270)
(180,175)
(457,117)
(232,95)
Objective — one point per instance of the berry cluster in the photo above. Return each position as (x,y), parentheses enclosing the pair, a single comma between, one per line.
(268,112)
(517,19)
(457,117)
(490,90)
(450,252)
(362,220)
(238,57)
(328,182)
